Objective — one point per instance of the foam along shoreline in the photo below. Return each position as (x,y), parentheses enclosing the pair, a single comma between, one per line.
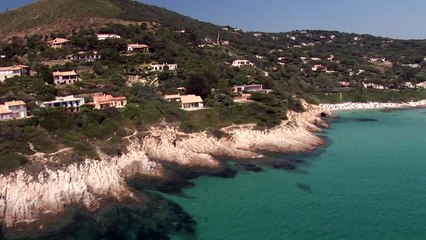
(24,196)
(371,105)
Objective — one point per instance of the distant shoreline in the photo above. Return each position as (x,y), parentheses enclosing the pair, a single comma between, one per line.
(372,105)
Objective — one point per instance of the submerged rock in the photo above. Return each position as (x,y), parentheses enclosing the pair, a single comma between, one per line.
(284,165)
(304,187)
(252,167)
(157,218)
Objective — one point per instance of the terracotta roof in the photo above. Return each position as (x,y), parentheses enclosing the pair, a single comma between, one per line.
(172,96)
(64,73)
(14,67)
(14,103)
(107,98)
(191,99)
(137,45)
(4,109)
(58,41)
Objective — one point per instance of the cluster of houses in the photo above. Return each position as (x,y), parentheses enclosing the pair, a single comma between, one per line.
(73,104)
(17,109)
(58,43)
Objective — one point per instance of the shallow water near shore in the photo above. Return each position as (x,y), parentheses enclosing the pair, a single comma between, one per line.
(368,183)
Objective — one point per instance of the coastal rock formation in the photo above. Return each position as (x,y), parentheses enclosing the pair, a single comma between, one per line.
(167,143)
(23,196)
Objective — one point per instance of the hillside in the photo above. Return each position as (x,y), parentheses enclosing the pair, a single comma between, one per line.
(318,66)
(47,16)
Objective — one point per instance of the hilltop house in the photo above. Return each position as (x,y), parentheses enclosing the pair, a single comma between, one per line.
(108,101)
(136,47)
(58,43)
(191,102)
(241,63)
(188,102)
(12,71)
(70,103)
(84,57)
(102,37)
(65,77)
(163,67)
(13,110)
(250,88)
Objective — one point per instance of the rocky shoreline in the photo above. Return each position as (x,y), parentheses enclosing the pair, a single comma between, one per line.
(23,197)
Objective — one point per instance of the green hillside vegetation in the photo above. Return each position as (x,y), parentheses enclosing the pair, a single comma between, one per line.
(283,62)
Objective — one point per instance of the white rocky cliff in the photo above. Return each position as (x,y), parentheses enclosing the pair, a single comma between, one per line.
(23,197)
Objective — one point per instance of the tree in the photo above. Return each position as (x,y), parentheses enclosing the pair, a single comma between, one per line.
(197,84)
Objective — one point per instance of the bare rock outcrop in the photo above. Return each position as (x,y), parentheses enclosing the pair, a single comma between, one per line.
(166,143)
(23,197)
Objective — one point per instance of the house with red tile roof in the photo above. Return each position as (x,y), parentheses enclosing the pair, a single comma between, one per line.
(108,101)
(58,43)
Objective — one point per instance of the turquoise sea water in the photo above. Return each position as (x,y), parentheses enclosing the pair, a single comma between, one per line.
(368,183)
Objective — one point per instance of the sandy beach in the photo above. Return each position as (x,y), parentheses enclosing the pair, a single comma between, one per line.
(371,105)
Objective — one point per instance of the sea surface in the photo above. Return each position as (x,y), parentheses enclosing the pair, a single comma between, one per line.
(369,182)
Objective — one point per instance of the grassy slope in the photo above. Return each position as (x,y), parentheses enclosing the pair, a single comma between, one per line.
(46,12)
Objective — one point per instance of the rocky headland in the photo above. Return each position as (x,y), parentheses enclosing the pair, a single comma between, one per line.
(24,196)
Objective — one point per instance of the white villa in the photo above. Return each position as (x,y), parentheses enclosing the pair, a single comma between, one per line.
(250,88)
(12,71)
(70,103)
(374,86)
(188,102)
(191,102)
(13,110)
(241,63)
(136,47)
(102,37)
(163,67)
(84,57)
(65,77)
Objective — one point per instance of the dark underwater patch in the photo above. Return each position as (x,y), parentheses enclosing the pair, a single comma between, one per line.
(286,165)
(365,120)
(156,218)
(304,187)
(251,167)
(224,173)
